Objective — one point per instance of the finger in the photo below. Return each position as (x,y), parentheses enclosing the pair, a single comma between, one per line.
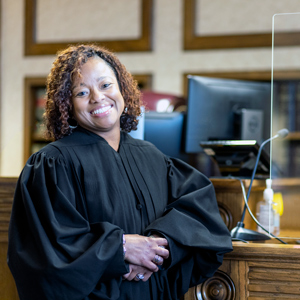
(164,253)
(132,276)
(139,276)
(126,276)
(160,241)
(158,260)
(147,276)
(151,266)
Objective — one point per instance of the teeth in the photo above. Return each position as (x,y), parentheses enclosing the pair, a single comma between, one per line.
(101,110)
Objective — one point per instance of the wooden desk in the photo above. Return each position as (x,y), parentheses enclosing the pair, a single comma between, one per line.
(254,272)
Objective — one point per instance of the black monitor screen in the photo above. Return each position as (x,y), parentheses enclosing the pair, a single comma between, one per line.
(226,109)
(165,131)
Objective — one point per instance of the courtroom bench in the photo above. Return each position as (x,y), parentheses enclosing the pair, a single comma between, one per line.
(253,271)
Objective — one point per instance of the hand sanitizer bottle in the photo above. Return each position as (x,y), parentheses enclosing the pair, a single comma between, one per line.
(265,211)
(278,211)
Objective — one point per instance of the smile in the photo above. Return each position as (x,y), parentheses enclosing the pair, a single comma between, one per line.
(101,110)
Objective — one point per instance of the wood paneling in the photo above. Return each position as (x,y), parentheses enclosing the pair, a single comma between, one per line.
(229,193)
(230,200)
(144,43)
(7,188)
(254,272)
(193,42)
(8,289)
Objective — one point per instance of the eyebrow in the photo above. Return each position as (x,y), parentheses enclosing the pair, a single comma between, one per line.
(75,86)
(83,84)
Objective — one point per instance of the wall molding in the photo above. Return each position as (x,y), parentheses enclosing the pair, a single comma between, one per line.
(193,42)
(144,43)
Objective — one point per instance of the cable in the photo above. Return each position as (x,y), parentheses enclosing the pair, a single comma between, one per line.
(252,216)
(280,134)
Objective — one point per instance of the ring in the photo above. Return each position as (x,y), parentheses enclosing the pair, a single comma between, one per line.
(139,276)
(157,259)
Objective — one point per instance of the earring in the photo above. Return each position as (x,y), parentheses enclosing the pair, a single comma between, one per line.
(74,126)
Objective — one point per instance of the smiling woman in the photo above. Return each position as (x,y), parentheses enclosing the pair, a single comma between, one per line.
(98,214)
(67,77)
(97,100)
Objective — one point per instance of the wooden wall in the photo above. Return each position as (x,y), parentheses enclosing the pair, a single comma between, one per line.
(8,289)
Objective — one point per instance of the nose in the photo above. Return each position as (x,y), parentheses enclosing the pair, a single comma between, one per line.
(97,96)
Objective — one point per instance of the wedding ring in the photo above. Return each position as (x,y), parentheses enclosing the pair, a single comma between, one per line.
(157,259)
(139,276)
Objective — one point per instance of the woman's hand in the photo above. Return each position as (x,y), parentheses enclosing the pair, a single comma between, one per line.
(147,252)
(137,273)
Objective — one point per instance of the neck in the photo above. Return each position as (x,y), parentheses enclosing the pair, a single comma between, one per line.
(113,140)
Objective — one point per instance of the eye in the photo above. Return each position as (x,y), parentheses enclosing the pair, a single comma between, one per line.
(106,85)
(81,94)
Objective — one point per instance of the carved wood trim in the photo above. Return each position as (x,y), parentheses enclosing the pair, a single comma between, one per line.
(226,215)
(218,287)
(144,43)
(264,252)
(194,42)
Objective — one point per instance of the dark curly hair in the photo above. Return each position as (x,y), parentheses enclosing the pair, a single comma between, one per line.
(59,82)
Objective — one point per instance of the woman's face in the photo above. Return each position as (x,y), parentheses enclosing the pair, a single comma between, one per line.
(97,100)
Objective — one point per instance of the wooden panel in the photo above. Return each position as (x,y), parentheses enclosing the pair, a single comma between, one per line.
(144,43)
(7,188)
(8,290)
(229,194)
(7,285)
(193,42)
(289,188)
(258,272)
(30,84)
(144,81)
(254,271)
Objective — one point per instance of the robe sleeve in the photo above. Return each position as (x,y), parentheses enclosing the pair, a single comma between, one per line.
(198,238)
(54,252)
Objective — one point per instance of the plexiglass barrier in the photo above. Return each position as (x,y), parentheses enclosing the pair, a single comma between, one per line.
(285,113)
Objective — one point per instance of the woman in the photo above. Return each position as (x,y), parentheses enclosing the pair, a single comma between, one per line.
(100,215)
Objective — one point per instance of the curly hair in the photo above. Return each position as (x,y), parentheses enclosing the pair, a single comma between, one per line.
(65,68)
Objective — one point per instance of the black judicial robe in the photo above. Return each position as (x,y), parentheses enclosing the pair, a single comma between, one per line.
(76,197)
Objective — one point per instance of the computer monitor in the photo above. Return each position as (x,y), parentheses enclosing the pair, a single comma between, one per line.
(226,109)
(165,131)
